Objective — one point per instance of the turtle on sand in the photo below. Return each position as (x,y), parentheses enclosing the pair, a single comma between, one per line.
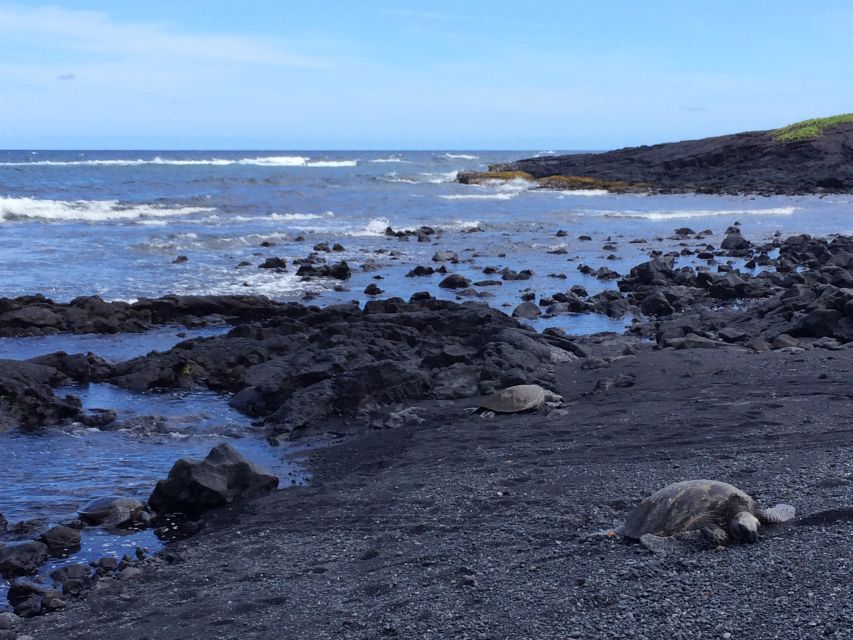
(522,397)
(721,512)
(114,511)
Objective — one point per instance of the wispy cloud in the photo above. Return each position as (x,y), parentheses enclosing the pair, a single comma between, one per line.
(65,76)
(98,33)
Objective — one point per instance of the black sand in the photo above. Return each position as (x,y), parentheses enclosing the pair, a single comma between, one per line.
(465,527)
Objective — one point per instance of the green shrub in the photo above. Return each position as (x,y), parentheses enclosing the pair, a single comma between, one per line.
(809,129)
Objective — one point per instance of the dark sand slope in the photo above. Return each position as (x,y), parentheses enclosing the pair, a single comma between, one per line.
(472,528)
(765,162)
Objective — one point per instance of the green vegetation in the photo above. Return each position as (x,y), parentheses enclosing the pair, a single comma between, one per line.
(809,129)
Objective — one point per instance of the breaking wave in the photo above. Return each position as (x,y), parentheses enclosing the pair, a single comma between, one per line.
(12,209)
(698,213)
(262,161)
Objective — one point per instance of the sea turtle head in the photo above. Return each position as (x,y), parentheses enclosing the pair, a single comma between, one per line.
(744,527)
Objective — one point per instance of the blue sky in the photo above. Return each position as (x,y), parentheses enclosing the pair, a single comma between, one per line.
(287,74)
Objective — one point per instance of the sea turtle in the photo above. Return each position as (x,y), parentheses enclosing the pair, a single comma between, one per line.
(522,397)
(114,511)
(720,511)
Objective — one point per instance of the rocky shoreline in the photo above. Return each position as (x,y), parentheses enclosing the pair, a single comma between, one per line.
(430,522)
(760,162)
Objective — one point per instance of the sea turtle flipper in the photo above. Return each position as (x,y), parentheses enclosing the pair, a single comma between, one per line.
(777,514)
(715,535)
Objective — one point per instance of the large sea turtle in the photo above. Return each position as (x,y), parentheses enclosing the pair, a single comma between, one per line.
(114,511)
(522,397)
(722,512)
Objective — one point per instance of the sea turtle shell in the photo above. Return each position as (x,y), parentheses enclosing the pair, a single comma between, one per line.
(113,511)
(522,397)
(686,506)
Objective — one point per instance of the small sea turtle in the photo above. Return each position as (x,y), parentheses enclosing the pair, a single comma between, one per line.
(522,397)
(114,511)
(722,512)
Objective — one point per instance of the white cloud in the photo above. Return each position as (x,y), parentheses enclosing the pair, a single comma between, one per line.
(98,33)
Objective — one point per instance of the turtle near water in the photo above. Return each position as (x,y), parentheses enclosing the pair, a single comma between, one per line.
(720,511)
(114,511)
(522,397)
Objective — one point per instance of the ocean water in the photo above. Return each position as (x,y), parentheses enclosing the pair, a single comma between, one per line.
(111,223)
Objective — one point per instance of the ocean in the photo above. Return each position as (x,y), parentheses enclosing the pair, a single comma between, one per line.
(112,223)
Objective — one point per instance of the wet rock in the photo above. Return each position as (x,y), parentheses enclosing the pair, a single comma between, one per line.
(339,271)
(4,524)
(735,242)
(74,578)
(445,256)
(31,597)
(61,540)
(606,274)
(98,418)
(180,260)
(194,486)
(455,281)
(21,558)
(509,274)
(27,399)
(656,305)
(112,511)
(372,290)
(273,263)
(527,310)
(420,271)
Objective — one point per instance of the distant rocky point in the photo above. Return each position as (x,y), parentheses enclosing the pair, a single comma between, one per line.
(813,156)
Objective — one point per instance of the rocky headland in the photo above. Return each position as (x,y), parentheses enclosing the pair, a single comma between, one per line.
(814,156)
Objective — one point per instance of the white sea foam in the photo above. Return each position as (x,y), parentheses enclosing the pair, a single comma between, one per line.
(459,156)
(286,217)
(441,178)
(332,163)
(389,160)
(86,210)
(263,161)
(480,196)
(699,213)
(495,190)
(584,193)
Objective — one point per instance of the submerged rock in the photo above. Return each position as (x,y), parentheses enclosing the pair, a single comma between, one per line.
(195,486)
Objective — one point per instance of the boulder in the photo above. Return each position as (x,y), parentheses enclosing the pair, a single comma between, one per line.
(527,310)
(273,263)
(195,486)
(61,540)
(22,558)
(735,242)
(74,578)
(455,281)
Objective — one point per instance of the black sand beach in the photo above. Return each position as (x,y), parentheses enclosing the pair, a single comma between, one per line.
(496,528)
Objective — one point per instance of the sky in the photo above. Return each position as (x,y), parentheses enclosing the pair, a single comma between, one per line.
(373,74)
